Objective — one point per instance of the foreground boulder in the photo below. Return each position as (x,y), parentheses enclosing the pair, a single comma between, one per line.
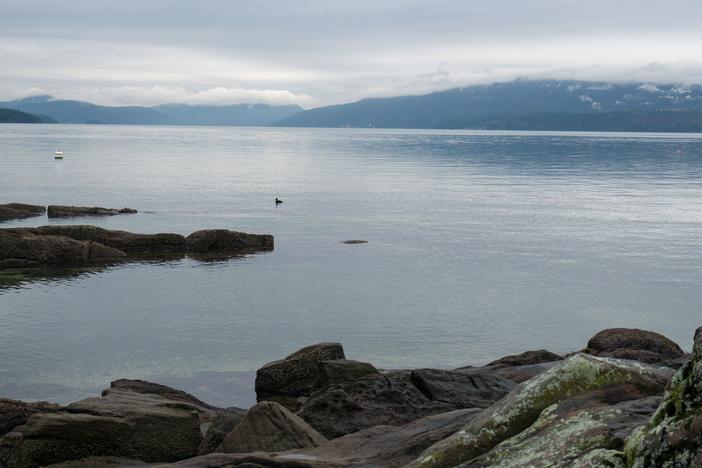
(79,244)
(14,413)
(59,211)
(520,409)
(397,398)
(10,211)
(673,438)
(269,427)
(292,378)
(123,423)
(635,344)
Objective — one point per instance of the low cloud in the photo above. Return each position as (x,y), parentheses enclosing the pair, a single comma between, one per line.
(154,95)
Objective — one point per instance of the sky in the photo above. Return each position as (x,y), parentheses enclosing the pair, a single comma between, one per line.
(321,52)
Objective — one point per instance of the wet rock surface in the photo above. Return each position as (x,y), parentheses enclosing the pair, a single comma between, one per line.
(60,211)
(14,413)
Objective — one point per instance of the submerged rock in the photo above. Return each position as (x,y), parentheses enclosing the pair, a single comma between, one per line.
(673,437)
(635,344)
(59,211)
(287,380)
(517,411)
(354,241)
(269,427)
(10,211)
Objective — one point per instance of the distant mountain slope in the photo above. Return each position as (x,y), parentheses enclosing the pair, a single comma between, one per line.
(527,105)
(15,116)
(169,114)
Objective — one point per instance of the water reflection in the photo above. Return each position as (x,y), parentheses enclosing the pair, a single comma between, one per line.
(18,278)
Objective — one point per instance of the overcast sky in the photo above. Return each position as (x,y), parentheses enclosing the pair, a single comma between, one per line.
(319,52)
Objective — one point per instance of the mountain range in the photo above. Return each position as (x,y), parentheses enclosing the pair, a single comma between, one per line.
(515,105)
(66,111)
(524,105)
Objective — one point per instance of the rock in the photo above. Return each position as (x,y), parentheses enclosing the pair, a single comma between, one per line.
(67,244)
(205,410)
(222,425)
(269,427)
(14,413)
(123,424)
(342,370)
(477,390)
(23,247)
(354,241)
(244,460)
(10,211)
(58,211)
(567,432)
(127,242)
(372,400)
(217,240)
(99,462)
(673,437)
(386,446)
(288,379)
(634,344)
(526,358)
(514,413)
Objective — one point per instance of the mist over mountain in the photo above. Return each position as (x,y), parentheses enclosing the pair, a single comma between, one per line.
(524,105)
(80,112)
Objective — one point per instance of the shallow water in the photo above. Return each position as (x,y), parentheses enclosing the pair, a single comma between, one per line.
(480,245)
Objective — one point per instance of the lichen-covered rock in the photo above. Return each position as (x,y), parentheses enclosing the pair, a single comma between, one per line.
(600,458)
(372,400)
(288,379)
(567,432)
(60,211)
(216,240)
(634,344)
(517,411)
(269,427)
(14,413)
(122,423)
(342,370)
(673,437)
(221,425)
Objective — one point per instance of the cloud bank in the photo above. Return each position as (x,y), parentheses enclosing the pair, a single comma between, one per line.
(323,52)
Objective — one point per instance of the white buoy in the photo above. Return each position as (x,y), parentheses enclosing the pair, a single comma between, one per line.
(58,154)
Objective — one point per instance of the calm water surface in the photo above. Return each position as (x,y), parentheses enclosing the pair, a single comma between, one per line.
(480,245)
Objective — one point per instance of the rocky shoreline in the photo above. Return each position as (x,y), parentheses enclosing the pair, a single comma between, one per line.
(11,211)
(630,398)
(69,245)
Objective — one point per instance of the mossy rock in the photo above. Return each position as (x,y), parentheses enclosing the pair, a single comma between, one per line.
(517,411)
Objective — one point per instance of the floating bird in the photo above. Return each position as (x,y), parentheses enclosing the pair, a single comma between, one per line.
(58,154)
(278,201)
